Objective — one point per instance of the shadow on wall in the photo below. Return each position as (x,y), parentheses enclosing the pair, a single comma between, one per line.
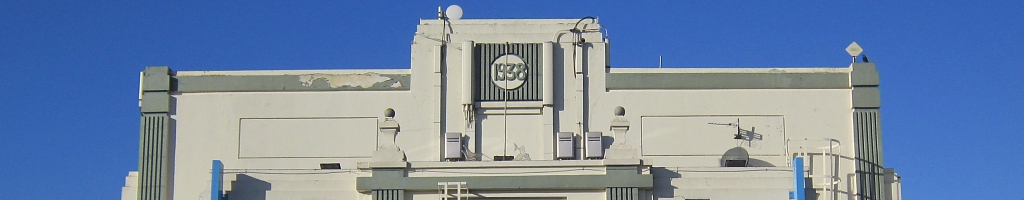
(809,191)
(606,142)
(663,187)
(469,154)
(758,163)
(173,103)
(248,188)
(738,157)
(479,135)
(749,136)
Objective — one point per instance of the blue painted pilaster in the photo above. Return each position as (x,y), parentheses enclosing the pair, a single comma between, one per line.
(799,192)
(217,181)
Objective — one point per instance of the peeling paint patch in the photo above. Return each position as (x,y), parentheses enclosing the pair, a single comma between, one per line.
(365,80)
(356,81)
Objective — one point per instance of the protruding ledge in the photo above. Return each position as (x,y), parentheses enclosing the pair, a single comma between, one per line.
(867,97)
(863,74)
(523,183)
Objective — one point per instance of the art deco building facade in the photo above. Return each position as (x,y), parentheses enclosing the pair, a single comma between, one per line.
(512,109)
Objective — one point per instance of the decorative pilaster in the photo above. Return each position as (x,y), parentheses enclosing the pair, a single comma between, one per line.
(156,138)
(864,81)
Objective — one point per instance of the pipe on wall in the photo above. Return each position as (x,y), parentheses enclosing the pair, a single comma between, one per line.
(549,73)
(217,181)
(467,72)
(798,179)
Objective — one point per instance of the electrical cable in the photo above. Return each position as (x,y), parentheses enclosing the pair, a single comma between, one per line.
(575,28)
(579,41)
(482,155)
(504,113)
(447,37)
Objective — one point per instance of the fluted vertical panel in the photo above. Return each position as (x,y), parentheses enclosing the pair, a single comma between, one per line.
(155,147)
(531,53)
(388,194)
(622,193)
(869,154)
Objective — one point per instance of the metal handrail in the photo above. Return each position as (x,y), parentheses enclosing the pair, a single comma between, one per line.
(829,153)
(444,189)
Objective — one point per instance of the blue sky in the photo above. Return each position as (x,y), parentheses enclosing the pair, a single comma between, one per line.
(951,70)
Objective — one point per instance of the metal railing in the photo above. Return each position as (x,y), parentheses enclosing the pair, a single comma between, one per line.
(452,191)
(827,173)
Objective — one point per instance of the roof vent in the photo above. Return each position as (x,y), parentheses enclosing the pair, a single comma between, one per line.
(330,165)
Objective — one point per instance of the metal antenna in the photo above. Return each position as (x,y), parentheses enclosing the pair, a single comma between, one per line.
(854,50)
(739,135)
(736,124)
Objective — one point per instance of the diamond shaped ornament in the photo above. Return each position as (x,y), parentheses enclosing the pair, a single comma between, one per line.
(854,49)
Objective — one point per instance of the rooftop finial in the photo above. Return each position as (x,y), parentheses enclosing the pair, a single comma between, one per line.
(620,111)
(389,113)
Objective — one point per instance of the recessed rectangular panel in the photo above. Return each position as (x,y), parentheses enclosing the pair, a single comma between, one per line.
(510,135)
(307,137)
(712,135)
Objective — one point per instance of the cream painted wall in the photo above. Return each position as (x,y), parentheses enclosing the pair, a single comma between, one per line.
(207,128)
(808,113)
